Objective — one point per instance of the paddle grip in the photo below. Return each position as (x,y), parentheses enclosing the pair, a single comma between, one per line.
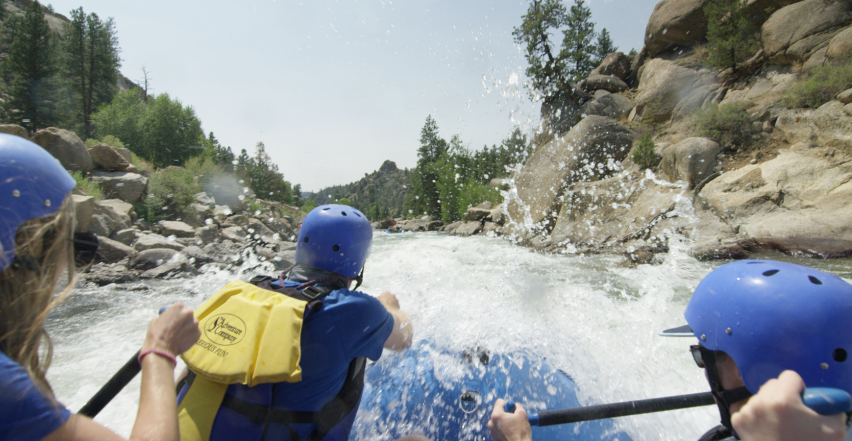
(827,400)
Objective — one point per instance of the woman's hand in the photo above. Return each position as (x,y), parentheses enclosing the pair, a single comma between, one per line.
(174,331)
(509,426)
(777,413)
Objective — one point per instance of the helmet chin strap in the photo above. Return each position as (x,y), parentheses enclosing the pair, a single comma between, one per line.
(724,398)
(359,279)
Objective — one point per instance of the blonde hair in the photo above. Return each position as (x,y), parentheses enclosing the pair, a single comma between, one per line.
(43,253)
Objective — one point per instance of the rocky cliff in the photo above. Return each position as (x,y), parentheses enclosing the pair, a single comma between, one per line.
(379,194)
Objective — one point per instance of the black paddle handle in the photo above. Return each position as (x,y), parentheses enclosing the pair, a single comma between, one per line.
(112,387)
(603,411)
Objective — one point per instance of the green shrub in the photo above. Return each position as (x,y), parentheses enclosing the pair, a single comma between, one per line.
(643,152)
(141,164)
(109,140)
(822,84)
(171,193)
(88,186)
(474,193)
(204,170)
(728,124)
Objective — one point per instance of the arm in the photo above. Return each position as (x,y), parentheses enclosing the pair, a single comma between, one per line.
(509,426)
(403,332)
(777,413)
(175,331)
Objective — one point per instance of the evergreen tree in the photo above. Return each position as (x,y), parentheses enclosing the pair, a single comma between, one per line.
(32,65)
(604,46)
(731,36)
(545,68)
(578,50)
(219,154)
(261,175)
(432,148)
(91,63)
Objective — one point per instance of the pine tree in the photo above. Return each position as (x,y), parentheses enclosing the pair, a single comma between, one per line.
(545,67)
(578,50)
(731,35)
(432,149)
(32,64)
(91,63)
(604,46)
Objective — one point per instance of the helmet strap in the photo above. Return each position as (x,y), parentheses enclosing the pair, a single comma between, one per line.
(359,279)
(724,398)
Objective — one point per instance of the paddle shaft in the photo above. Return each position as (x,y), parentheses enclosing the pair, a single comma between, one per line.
(112,387)
(565,416)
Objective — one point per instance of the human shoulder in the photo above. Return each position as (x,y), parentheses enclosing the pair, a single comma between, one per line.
(25,412)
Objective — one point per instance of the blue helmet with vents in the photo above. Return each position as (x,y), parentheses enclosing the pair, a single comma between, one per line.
(773,316)
(335,238)
(33,184)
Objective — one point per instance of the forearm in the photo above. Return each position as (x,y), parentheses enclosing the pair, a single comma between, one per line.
(403,331)
(156,419)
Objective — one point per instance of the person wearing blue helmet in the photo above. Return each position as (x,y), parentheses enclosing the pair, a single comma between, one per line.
(304,381)
(36,248)
(765,330)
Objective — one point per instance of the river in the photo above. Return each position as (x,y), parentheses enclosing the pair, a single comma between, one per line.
(587,315)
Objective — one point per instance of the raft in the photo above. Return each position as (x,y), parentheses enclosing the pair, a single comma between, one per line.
(447,395)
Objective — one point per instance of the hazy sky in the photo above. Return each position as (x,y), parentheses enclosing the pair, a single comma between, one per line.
(335,87)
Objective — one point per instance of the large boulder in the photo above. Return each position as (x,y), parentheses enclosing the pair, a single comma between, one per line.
(207,235)
(663,85)
(610,83)
(468,229)
(127,236)
(14,129)
(590,151)
(802,195)
(129,187)
(616,64)
(691,160)
(829,125)
(112,251)
(611,105)
(840,46)
(177,229)
(84,207)
(150,241)
(107,157)
(559,112)
(795,32)
(478,213)
(65,146)
(116,209)
(675,23)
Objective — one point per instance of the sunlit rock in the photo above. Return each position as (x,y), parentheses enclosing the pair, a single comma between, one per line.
(149,241)
(129,187)
(674,24)
(14,129)
(65,146)
(829,125)
(176,228)
(663,85)
(793,33)
(610,105)
(610,83)
(468,229)
(127,236)
(84,207)
(111,251)
(152,258)
(107,157)
(691,160)
(616,64)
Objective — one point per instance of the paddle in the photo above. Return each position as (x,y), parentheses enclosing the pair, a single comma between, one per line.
(823,400)
(114,385)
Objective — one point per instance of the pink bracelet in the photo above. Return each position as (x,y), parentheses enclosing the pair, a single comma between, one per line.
(158,352)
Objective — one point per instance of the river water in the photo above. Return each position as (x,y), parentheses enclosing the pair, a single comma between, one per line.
(587,315)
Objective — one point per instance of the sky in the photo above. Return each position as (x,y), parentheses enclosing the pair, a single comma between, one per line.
(333,88)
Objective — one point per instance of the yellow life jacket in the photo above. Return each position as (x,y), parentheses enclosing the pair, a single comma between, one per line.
(250,336)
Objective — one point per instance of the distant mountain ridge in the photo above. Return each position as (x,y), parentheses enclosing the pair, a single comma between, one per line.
(379,195)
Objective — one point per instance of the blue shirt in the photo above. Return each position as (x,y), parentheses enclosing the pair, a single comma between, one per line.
(25,412)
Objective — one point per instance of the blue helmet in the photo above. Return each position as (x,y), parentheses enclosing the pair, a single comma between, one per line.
(773,316)
(33,184)
(335,238)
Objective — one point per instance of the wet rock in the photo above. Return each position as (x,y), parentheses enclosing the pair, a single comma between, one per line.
(824,248)
(169,270)
(451,227)
(197,257)
(691,160)
(616,64)
(129,187)
(468,229)
(497,215)
(111,251)
(713,250)
(610,105)
(84,207)
(588,152)
(222,211)
(107,157)
(420,225)
(663,85)
(491,227)
(149,241)
(103,274)
(610,83)
(793,33)
(178,229)
(479,212)
(152,258)
(127,236)
(559,113)
(65,146)
(14,129)
(675,23)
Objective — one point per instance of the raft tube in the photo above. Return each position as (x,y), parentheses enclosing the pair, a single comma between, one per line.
(449,396)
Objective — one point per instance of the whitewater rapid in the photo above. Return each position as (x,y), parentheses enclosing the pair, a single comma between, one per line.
(587,315)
